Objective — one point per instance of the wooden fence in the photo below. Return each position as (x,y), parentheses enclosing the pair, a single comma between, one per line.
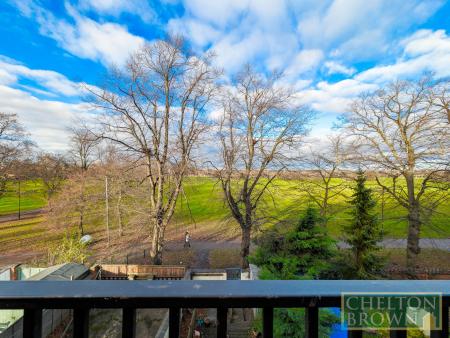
(136,271)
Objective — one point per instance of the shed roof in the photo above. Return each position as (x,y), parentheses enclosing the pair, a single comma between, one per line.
(65,271)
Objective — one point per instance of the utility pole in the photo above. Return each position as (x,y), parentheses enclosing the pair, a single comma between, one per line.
(107,208)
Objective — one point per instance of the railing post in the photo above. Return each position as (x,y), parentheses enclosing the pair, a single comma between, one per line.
(222,322)
(355,333)
(445,305)
(174,322)
(268,322)
(81,323)
(32,323)
(444,331)
(128,323)
(312,322)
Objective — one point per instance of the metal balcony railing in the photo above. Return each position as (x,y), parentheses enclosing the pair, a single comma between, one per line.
(34,296)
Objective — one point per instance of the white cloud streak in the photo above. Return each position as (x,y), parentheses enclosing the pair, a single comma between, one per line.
(109,43)
(140,8)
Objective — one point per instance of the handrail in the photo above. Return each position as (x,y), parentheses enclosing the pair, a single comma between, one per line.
(119,293)
(82,295)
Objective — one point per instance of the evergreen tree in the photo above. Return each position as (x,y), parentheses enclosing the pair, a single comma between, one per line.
(363,234)
(310,246)
(302,253)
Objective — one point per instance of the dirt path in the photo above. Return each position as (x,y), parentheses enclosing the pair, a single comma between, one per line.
(399,243)
(23,215)
(15,257)
(202,249)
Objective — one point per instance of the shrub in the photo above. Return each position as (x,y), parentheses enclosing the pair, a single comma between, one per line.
(70,249)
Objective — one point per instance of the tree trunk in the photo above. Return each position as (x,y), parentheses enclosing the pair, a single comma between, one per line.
(414,222)
(80,224)
(324,207)
(358,262)
(245,246)
(119,213)
(154,244)
(157,245)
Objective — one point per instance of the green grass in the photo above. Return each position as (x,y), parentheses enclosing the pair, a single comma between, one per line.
(204,198)
(204,207)
(32,196)
(25,234)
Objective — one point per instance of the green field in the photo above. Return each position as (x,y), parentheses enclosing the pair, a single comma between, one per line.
(28,234)
(32,196)
(203,196)
(202,203)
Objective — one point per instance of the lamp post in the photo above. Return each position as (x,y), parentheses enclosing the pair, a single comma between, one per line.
(18,181)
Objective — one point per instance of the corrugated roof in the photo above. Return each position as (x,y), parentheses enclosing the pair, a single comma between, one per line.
(65,271)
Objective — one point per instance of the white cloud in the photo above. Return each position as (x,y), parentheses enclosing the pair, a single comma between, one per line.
(233,52)
(46,120)
(358,29)
(275,34)
(50,80)
(219,13)
(298,37)
(109,43)
(6,77)
(334,67)
(240,31)
(199,33)
(305,60)
(334,97)
(424,51)
(115,8)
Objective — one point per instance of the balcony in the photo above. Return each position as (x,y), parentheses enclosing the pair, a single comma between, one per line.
(81,296)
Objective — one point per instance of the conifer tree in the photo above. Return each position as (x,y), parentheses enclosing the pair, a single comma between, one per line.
(310,246)
(363,234)
(302,253)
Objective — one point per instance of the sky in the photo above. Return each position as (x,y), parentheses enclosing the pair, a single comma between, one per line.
(331,51)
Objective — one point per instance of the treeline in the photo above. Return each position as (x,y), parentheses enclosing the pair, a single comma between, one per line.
(169,111)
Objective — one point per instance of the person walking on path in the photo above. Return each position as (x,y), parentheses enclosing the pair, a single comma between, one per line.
(187,240)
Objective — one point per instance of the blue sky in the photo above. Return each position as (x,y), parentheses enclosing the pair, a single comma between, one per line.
(330,50)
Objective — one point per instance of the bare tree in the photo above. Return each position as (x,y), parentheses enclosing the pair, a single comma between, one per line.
(52,169)
(154,112)
(402,131)
(115,168)
(327,166)
(261,121)
(83,144)
(14,143)
(79,202)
